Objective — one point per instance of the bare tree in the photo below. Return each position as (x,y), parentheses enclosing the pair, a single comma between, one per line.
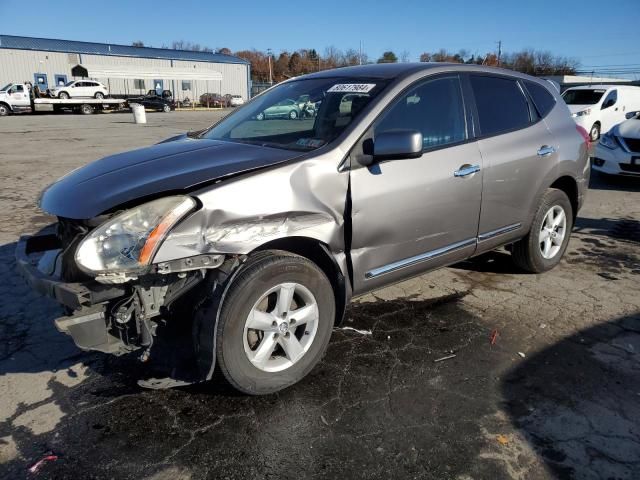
(405,56)
(137,43)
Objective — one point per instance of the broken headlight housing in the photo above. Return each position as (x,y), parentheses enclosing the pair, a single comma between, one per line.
(128,241)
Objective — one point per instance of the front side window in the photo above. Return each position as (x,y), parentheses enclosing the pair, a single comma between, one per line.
(17,88)
(299,115)
(501,104)
(434,108)
(611,99)
(582,96)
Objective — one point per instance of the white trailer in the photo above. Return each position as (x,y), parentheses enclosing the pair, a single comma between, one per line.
(17,97)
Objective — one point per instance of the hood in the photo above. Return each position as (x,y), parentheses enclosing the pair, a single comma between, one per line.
(579,108)
(177,164)
(628,129)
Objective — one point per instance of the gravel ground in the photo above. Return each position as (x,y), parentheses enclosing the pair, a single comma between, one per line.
(556,395)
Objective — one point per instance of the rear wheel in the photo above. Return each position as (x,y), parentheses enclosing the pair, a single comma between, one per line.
(594,133)
(63,95)
(166,108)
(275,323)
(99,95)
(86,109)
(545,244)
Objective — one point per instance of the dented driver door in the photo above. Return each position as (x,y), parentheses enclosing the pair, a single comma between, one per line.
(411,215)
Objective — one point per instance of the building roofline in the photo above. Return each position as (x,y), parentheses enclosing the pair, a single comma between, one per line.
(16,42)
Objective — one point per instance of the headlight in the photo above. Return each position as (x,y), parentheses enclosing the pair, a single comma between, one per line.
(609,141)
(581,113)
(128,241)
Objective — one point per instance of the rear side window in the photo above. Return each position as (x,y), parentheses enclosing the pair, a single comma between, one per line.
(501,104)
(542,98)
(434,108)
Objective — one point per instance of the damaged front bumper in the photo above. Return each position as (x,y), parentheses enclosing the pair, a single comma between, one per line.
(37,262)
(110,318)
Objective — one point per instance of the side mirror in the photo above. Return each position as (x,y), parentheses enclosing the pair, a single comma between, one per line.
(394,145)
(631,115)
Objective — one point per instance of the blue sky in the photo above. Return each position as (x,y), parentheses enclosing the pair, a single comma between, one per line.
(595,32)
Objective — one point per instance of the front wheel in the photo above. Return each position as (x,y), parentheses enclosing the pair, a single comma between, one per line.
(594,133)
(166,108)
(293,114)
(99,95)
(275,323)
(4,110)
(63,95)
(545,244)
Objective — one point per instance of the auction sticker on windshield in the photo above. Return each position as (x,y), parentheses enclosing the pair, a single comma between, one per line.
(352,88)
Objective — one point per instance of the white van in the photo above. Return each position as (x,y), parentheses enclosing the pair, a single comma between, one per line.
(597,108)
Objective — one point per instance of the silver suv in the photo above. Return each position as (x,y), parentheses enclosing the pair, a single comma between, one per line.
(241,245)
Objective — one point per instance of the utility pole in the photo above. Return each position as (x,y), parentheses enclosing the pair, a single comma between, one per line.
(270,74)
(360,53)
(499,51)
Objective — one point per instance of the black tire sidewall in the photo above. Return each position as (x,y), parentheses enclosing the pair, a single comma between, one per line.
(550,199)
(248,287)
(595,126)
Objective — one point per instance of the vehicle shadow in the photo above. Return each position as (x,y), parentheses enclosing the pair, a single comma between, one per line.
(601,181)
(496,261)
(577,402)
(29,341)
(377,406)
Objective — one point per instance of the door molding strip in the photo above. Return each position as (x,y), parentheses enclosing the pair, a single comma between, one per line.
(499,231)
(408,262)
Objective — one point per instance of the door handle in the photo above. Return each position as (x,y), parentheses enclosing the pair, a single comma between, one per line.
(465,170)
(545,151)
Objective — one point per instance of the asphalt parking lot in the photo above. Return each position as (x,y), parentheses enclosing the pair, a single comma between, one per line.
(545,381)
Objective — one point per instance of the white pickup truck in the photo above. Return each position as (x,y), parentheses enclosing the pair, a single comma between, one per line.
(17,97)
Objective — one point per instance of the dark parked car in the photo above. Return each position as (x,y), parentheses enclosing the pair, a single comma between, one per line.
(214,100)
(239,247)
(153,101)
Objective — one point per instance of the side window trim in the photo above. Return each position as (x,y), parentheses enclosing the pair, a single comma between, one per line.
(417,84)
(479,135)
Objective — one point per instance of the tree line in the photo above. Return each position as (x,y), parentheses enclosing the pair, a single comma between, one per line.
(267,66)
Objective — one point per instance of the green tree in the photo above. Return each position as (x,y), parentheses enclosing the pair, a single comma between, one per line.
(388,57)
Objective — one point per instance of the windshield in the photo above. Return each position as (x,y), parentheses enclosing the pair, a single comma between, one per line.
(6,87)
(299,115)
(582,97)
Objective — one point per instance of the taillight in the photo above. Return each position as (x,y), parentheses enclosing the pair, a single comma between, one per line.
(585,135)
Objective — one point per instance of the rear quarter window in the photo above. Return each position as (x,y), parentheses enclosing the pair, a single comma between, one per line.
(501,104)
(542,98)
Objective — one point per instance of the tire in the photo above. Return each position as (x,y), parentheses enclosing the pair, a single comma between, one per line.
(257,288)
(260,116)
(529,253)
(4,110)
(86,109)
(64,95)
(166,109)
(99,95)
(594,133)
(293,115)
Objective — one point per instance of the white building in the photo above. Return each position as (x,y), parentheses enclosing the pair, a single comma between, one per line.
(125,70)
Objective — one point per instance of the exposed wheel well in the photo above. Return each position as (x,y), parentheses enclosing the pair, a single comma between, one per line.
(319,254)
(569,186)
